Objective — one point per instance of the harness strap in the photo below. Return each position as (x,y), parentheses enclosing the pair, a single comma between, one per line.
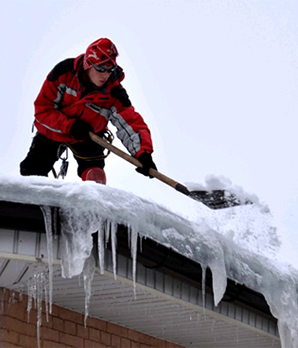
(106,134)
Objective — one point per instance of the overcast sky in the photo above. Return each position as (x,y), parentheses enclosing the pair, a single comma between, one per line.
(216,81)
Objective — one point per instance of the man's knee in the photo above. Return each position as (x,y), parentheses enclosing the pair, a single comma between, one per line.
(28,168)
(94,174)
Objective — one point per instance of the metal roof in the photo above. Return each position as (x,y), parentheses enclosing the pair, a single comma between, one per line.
(166,301)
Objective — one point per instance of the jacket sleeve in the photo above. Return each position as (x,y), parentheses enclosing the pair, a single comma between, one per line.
(131,127)
(48,102)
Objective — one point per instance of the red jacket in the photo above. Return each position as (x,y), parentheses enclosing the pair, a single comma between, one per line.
(67,95)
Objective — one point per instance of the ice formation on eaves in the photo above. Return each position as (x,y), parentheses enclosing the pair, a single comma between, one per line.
(237,243)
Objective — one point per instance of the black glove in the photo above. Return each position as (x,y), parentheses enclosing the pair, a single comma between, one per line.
(80,130)
(146,159)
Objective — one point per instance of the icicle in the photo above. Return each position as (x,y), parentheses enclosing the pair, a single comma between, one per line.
(65,255)
(38,286)
(237,334)
(129,234)
(77,227)
(88,274)
(107,232)
(30,297)
(101,246)
(114,246)
(46,282)
(133,249)
(213,325)
(141,243)
(12,297)
(38,304)
(111,229)
(2,302)
(47,213)
(204,269)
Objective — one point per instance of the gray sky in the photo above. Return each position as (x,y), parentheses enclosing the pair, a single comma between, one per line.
(216,81)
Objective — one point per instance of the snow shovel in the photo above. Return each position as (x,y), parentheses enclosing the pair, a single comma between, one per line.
(215,199)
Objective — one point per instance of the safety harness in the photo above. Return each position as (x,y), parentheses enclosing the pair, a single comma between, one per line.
(106,134)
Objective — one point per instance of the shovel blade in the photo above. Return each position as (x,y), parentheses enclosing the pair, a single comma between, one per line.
(216,199)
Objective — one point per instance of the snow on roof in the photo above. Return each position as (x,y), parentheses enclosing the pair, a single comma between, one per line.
(238,243)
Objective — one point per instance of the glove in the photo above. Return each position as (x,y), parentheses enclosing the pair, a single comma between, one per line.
(80,130)
(146,159)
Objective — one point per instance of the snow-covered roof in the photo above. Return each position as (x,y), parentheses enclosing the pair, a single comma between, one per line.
(237,243)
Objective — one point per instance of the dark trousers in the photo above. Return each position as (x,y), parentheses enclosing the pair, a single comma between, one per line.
(44,152)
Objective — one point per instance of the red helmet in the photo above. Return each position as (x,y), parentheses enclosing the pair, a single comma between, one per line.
(101,51)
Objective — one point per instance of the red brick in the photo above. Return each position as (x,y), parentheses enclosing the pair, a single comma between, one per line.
(55,311)
(71,340)
(2,316)
(57,324)
(20,326)
(159,344)
(105,338)
(70,327)
(31,316)
(82,331)
(149,340)
(8,345)
(134,335)
(28,341)
(49,334)
(94,334)
(51,344)
(9,336)
(172,345)
(117,330)
(47,320)
(115,341)
(67,314)
(93,344)
(15,310)
(135,344)
(125,343)
(97,324)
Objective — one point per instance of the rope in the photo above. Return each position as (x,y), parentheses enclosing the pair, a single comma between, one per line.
(106,134)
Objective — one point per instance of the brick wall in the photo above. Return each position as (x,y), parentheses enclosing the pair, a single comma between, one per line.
(64,329)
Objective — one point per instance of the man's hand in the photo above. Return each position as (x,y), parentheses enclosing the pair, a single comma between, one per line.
(80,130)
(147,162)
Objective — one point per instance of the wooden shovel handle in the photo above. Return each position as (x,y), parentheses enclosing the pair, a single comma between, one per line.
(179,187)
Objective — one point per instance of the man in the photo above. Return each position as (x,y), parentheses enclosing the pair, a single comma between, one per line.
(80,95)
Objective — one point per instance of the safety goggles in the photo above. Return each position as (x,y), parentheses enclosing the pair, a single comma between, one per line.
(101,69)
